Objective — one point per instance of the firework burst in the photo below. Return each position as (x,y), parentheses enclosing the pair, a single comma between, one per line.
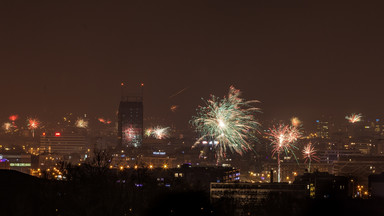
(148,132)
(81,123)
(309,153)
(174,108)
(7,127)
(295,122)
(230,121)
(104,121)
(283,139)
(33,124)
(13,118)
(157,132)
(353,118)
(160,132)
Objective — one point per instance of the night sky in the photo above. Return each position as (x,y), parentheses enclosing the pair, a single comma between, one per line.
(299,58)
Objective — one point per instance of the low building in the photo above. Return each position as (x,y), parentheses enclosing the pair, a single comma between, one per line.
(255,193)
(17,161)
(322,185)
(243,198)
(186,176)
(359,166)
(158,161)
(4,163)
(376,185)
(46,161)
(309,185)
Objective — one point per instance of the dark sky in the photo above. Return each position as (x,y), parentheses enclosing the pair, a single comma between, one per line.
(299,58)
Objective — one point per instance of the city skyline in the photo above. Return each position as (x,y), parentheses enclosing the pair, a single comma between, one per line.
(295,58)
(191,107)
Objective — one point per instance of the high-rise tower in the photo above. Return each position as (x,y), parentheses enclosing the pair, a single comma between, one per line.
(130,117)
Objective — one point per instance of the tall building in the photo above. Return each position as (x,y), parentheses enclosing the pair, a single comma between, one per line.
(322,129)
(130,126)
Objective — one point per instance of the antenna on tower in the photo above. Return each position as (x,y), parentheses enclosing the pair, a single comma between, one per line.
(122,90)
(142,91)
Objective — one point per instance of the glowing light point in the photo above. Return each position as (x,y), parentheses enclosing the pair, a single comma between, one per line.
(221,123)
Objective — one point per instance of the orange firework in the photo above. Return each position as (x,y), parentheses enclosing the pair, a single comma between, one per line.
(13,118)
(32,125)
(174,108)
(295,121)
(104,121)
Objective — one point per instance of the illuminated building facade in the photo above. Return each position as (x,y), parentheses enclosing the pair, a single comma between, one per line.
(130,125)
(59,143)
(16,161)
(243,195)
(4,163)
(322,129)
